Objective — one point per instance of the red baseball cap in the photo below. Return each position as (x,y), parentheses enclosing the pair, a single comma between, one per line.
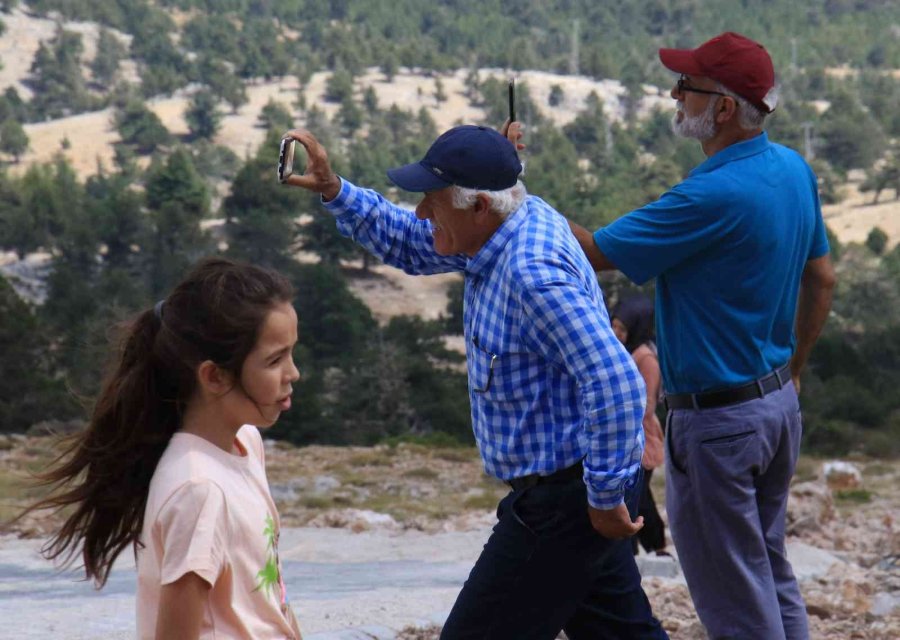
(737,62)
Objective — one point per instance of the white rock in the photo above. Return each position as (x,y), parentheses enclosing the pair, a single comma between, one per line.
(324,484)
(652,566)
(810,562)
(842,475)
(810,506)
(884,604)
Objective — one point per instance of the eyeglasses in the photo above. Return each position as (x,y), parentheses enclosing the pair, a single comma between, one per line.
(683,87)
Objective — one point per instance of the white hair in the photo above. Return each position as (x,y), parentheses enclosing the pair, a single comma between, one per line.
(750,117)
(503,202)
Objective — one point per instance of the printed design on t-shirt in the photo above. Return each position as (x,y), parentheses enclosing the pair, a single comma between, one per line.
(269,577)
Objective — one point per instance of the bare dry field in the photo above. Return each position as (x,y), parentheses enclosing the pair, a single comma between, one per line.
(91,135)
(856,216)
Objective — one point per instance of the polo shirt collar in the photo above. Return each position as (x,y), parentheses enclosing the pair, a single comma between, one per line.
(483,261)
(736,151)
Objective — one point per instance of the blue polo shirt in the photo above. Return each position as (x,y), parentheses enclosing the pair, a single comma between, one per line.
(727,246)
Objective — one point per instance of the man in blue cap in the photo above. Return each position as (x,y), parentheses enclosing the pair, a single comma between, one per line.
(556,400)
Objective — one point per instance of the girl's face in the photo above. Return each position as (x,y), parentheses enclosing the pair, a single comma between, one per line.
(620,330)
(269,369)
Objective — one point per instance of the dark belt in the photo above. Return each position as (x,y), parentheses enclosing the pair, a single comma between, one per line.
(576,471)
(711,399)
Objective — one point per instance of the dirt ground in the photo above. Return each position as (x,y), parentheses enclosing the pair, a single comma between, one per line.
(394,495)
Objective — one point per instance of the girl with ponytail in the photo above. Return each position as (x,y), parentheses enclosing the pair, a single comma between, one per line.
(172,462)
(632,321)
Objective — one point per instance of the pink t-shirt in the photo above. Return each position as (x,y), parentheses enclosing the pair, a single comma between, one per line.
(210,512)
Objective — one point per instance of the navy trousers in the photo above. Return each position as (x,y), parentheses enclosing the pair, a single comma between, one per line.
(545,569)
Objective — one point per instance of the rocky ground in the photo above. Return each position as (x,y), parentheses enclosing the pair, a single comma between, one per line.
(844,538)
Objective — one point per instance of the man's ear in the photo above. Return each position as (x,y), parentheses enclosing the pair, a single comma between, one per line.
(482,207)
(213,379)
(727,109)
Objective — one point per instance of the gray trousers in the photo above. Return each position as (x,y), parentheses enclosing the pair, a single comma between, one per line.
(728,472)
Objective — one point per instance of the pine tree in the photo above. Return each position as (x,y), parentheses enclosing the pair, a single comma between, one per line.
(274,115)
(56,79)
(178,200)
(140,127)
(110,52)
(260,213)
(202,116)
(13,139)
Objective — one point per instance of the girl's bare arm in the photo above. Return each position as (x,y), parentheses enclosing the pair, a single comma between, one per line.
(181,606)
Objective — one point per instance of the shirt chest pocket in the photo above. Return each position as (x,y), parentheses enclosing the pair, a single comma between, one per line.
(507,376)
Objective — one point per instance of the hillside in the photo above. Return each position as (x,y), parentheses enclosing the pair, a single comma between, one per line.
(120,238)
(91,136)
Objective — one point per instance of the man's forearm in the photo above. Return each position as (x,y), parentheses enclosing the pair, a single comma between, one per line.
(390,233)
(586,239)
(816,290)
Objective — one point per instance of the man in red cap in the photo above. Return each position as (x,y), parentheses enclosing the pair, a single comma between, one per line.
(743,289)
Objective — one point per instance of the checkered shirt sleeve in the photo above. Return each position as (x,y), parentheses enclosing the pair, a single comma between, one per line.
(562,323)
(389,232)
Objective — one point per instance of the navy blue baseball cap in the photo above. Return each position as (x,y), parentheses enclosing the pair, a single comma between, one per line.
(466,156)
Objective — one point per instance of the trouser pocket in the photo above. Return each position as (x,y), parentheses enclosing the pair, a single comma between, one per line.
(543,508)
(671,455)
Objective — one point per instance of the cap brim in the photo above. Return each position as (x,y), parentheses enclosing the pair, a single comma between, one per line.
(416,178)
(680,61)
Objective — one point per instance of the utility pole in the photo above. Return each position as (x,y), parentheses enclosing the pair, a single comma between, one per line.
(608,135)
(573,56)
(808,152)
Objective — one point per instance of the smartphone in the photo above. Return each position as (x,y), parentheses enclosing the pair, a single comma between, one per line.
(286,159)
(511,92)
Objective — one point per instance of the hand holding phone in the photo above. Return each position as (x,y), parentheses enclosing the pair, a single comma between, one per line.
(303,162)
(511,94)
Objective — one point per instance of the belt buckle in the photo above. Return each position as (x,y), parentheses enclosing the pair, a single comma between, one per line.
(778,377)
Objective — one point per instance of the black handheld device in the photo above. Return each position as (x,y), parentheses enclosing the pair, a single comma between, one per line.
(512,100)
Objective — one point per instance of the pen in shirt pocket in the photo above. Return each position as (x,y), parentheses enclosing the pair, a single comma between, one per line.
(490,376)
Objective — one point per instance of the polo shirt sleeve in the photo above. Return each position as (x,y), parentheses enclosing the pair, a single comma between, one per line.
(650,240)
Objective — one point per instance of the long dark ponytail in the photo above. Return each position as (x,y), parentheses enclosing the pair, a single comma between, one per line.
(104,472)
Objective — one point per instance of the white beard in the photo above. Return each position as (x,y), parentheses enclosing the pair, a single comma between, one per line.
(702,127)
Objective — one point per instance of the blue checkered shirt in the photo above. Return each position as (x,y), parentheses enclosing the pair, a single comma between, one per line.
(549,383)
